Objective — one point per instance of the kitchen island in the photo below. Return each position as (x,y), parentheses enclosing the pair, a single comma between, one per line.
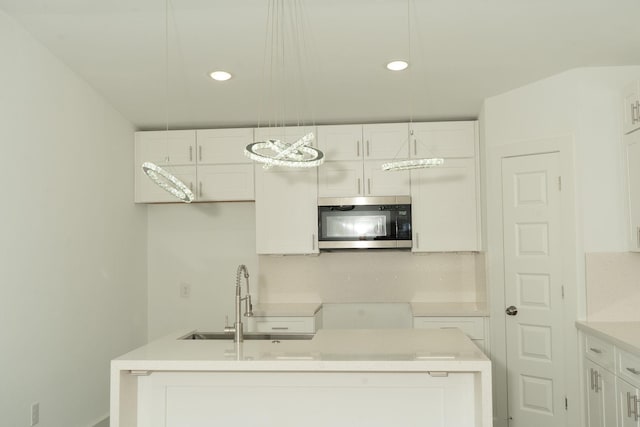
(405,377)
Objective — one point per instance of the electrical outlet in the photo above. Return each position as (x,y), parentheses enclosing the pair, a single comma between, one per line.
(185,290)
(35,413)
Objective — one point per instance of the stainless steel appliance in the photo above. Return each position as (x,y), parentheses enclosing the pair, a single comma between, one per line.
(364,222)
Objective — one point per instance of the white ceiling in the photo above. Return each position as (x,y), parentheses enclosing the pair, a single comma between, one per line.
(462,52)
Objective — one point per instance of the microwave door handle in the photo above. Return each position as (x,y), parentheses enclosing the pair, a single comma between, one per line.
(343,208)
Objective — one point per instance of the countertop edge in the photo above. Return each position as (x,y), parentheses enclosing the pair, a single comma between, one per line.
(597,329)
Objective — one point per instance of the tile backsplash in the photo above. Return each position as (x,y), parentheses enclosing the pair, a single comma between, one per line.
(613,286)
(372,276)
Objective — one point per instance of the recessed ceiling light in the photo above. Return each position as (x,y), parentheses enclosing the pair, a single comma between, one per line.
(397,65)
(220,75)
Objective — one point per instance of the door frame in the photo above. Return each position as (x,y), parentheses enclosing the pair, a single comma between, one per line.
(572,271)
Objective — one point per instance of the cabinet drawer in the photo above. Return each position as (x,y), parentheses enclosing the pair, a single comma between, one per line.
(284,324)
(599,351)
(628,367)
(473,327)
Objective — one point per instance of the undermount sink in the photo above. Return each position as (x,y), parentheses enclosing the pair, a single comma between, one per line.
(248,336)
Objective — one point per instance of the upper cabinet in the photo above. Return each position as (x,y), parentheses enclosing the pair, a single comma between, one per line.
(443,139)
(386,141)
(354,155)
(632,144)
(210,162)
(172,150)
(224,172)
(286,203)
(631,122)
(445,199)
(631,107)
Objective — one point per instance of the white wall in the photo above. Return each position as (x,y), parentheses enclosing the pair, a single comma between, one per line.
(583,106)
(72,251)
(585,103)
(200,245)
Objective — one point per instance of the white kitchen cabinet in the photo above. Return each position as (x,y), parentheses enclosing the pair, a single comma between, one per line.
(341,142)
(286,324)
(361,178)
(287,134)
(354,155)
(445,207)
(286,210)
(225,183)
(147,191)
(223,146)
(610,383)
(473,327)
(224,172)
(632,144)
(631,107)
(443,139)
(166,148)
(627,403)
(174,151)
(386,141)
(600,395)
(376,141)
(210,162)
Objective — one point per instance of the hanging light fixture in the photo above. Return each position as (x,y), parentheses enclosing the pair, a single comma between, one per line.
(164,179)
(411,163)
(283,67)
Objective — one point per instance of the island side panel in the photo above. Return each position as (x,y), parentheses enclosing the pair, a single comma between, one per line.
(281,399)
(123,398)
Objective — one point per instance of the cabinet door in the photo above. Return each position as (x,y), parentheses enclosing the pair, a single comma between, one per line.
(341,142)
(386,141)
(340,179)
(600,395)
(593,401)
(633,181)
(378,182)
(225,182)
(631,107)
(174,147)
(287,134)
(445,207)
(443,139)
(627,404)
(286,210)
(147,191)
(223,146)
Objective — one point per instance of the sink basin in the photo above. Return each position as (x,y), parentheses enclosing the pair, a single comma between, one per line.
(248,336)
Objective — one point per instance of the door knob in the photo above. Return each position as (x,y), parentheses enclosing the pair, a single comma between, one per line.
(511,310)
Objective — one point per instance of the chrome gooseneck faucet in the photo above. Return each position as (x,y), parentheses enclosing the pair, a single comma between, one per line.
(237,327)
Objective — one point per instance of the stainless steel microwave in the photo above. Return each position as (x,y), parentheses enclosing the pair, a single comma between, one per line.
(364,222)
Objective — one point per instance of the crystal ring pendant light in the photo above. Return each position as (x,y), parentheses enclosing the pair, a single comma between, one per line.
(164,179)
(274,152)
(400,165)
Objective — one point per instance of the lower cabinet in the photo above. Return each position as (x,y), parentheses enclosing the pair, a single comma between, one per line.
(627,405)
(600,395)
(304,324)
(611,384)
(473,327)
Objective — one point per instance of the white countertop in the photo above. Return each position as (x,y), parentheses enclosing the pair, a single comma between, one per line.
(625,335)
(449,309)
(341,350)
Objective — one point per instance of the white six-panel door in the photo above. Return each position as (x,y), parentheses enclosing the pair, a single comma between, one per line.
(533,289)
